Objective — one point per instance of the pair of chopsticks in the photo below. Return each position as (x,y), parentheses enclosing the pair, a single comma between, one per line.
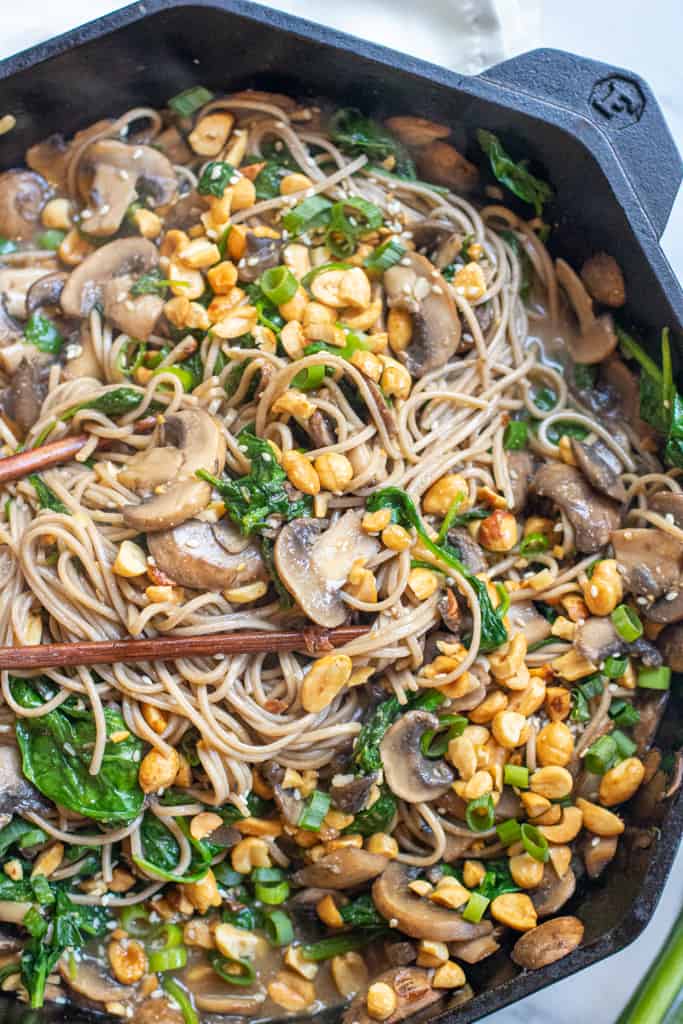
(107,652)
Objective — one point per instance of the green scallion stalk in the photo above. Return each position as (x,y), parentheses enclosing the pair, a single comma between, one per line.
(434,742)
(626,622)
(335,945)
(189,100)
(601,755)
(245,974)
(278,928)
(534,543)
(278,284)
(509,831)
(656,994)
(516,435)
(186,377)
(453,511)
(624,714)
(476,908)
(516,775)
(135,921)
(625,745)
(535,844)
(654,678)
(315,809)
(385,256)
(309,378)
(311,213)
(273,895)
(480,813)
(172,959)
(178,994)
(51,239)
(614,667)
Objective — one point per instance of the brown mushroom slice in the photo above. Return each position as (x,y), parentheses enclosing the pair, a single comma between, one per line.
(13,911)
(416,286)
(668,504)
(26,392)
(471,554)
(119,172)
(471,951)
(260,254)
(50,159)
(408,773)
(524,618)
(598,852)
(553,892)
(416,131)
(670,644)
(135,315)
(593,517)
(413,990)
(22,196)
(520,471)
(651,706)
(594,461)
(193,555)
(86,363)
(597,338)
(444,165)
(86,977)
(351,795)
(547,942)
(108,267)
(15,285)
(417,916)
(346,868)
(157,1011)
(597,639)
(649,560)
(603,278)
(200,440)
(314,564)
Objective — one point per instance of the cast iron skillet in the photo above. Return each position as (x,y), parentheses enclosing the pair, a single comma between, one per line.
(600,137)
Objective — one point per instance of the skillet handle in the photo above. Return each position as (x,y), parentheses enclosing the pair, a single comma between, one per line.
(616,102)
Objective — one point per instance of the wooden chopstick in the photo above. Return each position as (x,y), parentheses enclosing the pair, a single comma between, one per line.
(107,652)
(33,460)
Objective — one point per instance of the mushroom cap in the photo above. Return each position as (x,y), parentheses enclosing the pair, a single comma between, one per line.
(670,643)
(520,470)
(523,618)
(345,868)
(471,951)
(201,442)
(603,278)
(668,503)
(408,773)
(597,338)
(596,462)
(118,169)
(592,516)
(416,286)
(442,163)
(547,942)
(84,288)
(652,703)
(26,391)
(206,556)
(135,315)
(22,196)
(260,255)
(471,554)
(314,564)
(597,855)
(50,158)
(413,990)
(15,284)
(597,639)
(553,892)
(417,916)
(649,560)
(46,291)
(88,979)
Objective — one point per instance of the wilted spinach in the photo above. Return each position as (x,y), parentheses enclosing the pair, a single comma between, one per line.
(215,178)
(357,134)
(362,913)
(661,405)
(111,403)
(46,496)
(43,333)
(377,817)
(514,176)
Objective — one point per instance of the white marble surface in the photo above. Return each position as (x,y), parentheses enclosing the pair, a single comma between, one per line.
(645,38)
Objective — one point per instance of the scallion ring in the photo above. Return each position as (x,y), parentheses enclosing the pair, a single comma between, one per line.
(278,284)
(534,842)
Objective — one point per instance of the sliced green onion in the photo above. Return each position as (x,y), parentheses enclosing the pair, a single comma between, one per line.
(135,920)
(509,831)
(654,678)
(626,622)
(268,875)
(622,714)
(215,178)
(480,813)
(309,378)
(534,543)
(315,809)
(33,837)
(273,895)
(601,755)
(534,842)
(172,959)
(174,989)
(386,255)
(51,239)
(476,908)
(434,742)
(278,284)
(336,945)
(186,377)
(625,745)
(189,100)
(172,935)
(516,435)
(42,891)
(516,775)
(614,667)
(503,605)
(278,928)
(453,511)
(245,975)
(323,269)
(311,213)
(226,875)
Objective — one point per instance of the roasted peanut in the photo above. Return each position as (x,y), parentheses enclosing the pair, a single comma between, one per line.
(423,583)
(558,703)
(349,972)
(473,872)
(291,991)
(441,495)
(334,471)
(324,680)
(300,472)
(381,1000)
(621,782)
(449,975)
(526,871)
(431,953)
(127,959)
(568,828)
(249,853)
(498,532)
(514,909)
(399,329)
(396,538)
(603,591)
(158,770)
(598,820)
(489,708)
(509,729)
(555,744)
(204,893)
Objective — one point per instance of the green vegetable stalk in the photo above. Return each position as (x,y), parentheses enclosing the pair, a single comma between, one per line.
(657,992)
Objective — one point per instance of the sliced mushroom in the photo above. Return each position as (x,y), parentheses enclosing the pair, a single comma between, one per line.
(441,163)
(346,868)
(46,291)
(24,397)
(15,284)
(597,338)
(547,943)
(471,951)
(86,362)
(603,278)
(408,773)
(524,618)
(228,1002)
(595,462)
(470,553)
(10,334)
(416,131)
(314,564)
(413,990)
(437,240)
(206,556)
(351,796)
(50,159)
(320,430)
(386,413)
(670,644)
(135,315)
(597,639)
(289,804)
(649,560)
(593,517)
(597,853)
(553,892)
(22,196)
(520,471)
(13,911)
(119,172)
(416,916)
(416,286)
(668,504)
(86,977)
(198,439)
(400,953)
(260,255)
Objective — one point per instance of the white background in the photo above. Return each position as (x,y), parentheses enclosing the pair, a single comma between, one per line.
(462,34)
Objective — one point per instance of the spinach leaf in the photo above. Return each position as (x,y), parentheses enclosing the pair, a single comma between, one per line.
(158,844)
(497,880)
(661,405)
(514,176)
(43,333)
(362,913)
(256,805)
(46,496)
(366,751)
(249,918)
(376,818)
(12,833)
(215,178)
(268,313)
(276,150)
(268,555)
(566,428)
(111,403)
(152,284)
(56,750)
(357,134)
(545,398)
(267,181)
(251,499)
(585,376)
(493,631)
(524,263)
